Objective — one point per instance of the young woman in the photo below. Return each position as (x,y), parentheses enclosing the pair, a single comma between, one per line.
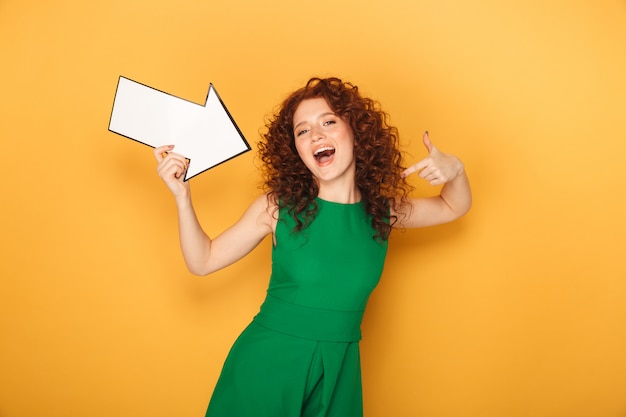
(335,187)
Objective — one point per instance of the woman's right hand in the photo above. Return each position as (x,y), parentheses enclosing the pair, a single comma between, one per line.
(172,168)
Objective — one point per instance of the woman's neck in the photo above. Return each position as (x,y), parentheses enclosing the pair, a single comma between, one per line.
(339,193)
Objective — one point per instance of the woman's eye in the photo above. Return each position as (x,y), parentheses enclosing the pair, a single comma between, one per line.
(329,122)
(301,132)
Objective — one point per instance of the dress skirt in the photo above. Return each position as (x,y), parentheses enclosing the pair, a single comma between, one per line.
(293,361)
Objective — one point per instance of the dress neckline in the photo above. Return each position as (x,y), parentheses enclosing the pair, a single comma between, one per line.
(328,202)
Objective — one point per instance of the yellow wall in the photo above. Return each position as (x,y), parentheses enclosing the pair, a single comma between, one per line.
(518,310)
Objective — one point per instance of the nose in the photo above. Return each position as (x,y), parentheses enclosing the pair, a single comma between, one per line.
(316,134)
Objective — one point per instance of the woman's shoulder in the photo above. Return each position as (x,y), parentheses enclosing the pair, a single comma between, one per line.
(265,207)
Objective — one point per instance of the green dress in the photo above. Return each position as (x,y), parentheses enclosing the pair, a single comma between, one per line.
(300,355)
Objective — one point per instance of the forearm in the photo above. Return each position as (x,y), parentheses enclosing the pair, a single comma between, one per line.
(457,194)
(195,244)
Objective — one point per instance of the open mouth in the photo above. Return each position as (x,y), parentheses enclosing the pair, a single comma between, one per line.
(324,154)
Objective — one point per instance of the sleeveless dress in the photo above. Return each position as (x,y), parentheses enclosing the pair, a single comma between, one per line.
(300,355)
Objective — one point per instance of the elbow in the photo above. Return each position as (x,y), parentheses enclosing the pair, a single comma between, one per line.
(200,270)
(466,208)
(200,264)
(463,210)
(458,211)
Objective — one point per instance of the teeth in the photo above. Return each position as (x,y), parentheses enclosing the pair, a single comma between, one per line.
(322,149)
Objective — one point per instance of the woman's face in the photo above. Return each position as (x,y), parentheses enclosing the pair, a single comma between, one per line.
(324,141)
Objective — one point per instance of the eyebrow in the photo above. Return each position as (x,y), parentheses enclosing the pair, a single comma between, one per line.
(328,113)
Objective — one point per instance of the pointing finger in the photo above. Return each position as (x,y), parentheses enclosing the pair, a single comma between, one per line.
(416,167)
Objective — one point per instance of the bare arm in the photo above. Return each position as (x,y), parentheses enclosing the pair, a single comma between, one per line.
(454,200)
(202,254)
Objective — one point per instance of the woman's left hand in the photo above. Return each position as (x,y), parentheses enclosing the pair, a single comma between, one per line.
(438,167)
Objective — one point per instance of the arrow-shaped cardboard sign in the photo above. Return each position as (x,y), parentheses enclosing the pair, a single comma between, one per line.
(206,135)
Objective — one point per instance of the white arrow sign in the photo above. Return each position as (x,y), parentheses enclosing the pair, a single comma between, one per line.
(206,135)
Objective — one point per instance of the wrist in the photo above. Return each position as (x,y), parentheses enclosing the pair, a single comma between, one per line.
(460,169)
(183,199)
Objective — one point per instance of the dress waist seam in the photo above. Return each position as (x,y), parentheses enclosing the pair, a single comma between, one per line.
(310,322)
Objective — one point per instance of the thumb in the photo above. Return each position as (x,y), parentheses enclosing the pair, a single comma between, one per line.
(429,145)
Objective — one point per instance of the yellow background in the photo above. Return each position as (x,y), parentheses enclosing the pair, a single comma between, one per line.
(517,310)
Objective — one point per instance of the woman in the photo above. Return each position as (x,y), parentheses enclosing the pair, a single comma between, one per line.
(335,187)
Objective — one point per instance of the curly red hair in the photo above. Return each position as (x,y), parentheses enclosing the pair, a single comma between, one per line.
(378,159)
